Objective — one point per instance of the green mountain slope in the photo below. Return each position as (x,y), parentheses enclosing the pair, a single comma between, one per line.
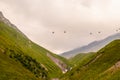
(81,58)
(12,70)
(17,46)
(105,66)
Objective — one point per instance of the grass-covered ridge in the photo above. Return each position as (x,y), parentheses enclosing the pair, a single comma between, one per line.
(81,59)
(101,67)
(17,46)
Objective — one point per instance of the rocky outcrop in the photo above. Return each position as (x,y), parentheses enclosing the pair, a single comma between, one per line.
(6,21)
(58,62)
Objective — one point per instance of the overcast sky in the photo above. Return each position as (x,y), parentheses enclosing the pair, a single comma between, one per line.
(39,18)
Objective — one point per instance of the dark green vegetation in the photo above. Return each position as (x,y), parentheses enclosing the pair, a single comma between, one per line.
(105,65)
(12,70)
(29,63)
(32,57)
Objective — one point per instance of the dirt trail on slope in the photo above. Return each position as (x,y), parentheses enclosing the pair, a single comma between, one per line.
(92,61)
(114,68)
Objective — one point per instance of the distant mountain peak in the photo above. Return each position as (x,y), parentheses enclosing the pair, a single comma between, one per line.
(91,47)
(6,21)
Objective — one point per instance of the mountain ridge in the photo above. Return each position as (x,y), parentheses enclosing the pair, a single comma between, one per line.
(105,65)
(6,21)
(14,44)
(91,47)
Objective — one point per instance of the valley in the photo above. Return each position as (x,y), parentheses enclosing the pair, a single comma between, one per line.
(22,59)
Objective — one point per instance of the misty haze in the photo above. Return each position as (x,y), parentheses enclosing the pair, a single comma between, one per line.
(59,40)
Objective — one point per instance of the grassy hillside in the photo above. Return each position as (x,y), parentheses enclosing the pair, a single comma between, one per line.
(17,46)
(105,66)
(12,70)
(81,58)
